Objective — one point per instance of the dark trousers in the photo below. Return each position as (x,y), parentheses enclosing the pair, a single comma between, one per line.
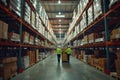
(58,57)
(68,56)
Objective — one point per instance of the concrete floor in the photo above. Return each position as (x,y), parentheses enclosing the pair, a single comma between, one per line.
(49,69)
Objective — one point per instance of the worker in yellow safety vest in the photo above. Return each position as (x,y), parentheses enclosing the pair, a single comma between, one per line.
(69,52)
(59,52)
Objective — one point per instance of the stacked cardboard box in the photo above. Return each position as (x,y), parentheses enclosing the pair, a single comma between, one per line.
(34,2)
(112,2)
(90,59)
(86,39)
(117,62)
(32,57)
(90,14)
(97,8)
(37,55)
(31,41)
(14,37)
(8,67)
(25,37)
(92,37)
(115,34)
(25,61)
(15,5)
(4,2)
(64,55)
(36,41)
(99,37)
(27,13)
(3,30)
(32,19)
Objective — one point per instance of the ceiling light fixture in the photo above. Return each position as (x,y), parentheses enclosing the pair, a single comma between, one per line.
(60,16)
(59,13)
(59,2)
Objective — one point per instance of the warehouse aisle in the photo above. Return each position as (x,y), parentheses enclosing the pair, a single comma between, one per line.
(49,69)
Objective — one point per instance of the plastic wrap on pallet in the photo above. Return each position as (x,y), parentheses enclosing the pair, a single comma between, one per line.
(27,13)
(90,15)
(4,2)
(97,8)
(112,2)
(15,5)
(14,37)
(25,60)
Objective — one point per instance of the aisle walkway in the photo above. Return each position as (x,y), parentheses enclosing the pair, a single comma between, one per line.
(49,69)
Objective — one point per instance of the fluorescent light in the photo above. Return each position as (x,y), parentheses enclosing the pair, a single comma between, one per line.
(59,2)
(59,13)
(59,20)
(60,16)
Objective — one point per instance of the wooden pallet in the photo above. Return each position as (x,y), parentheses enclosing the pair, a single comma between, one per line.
(115,75)
(4,40)
(99,68)
(13,75)
(117,39)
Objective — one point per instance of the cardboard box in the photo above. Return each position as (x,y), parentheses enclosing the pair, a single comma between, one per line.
(97,8)
(115,34)
(86,39)
(31,40)
(5,31)
(117,66)
(25,37)
(92,37)
(14,36)
(1,29)
(118,54)
(8,67)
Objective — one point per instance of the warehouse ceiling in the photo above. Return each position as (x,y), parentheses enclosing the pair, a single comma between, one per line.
(65,8)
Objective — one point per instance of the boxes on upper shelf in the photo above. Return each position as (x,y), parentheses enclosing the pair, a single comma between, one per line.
(90,14)
(34,2)
(33,19)
(14,37)
(3,30)
(4,2)
(112,2)
(97,8)
(83,22)
(84,3)
(25,37)
(27,13)
(15,5)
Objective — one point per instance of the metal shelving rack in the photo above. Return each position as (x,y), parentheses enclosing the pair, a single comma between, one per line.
(105,21)
(11,17)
